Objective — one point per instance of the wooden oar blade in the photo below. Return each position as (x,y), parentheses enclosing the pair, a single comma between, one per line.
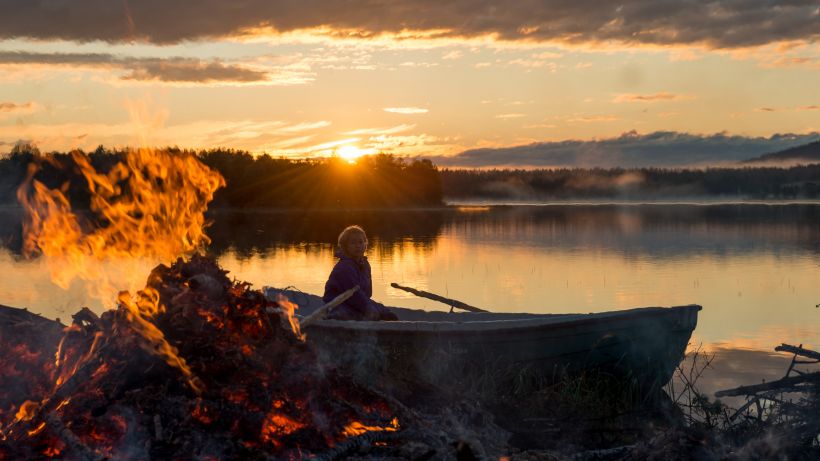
(441,299)
(320,312)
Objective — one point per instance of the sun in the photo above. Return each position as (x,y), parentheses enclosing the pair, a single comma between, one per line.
(350,152)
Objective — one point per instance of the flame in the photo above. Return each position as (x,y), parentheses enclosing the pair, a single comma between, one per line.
(151,208)
(147,209)
(27,411)
(356,428)
(148,302)
(289,309)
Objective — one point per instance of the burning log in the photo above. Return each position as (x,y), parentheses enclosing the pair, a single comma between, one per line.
(75,445)
(252,389)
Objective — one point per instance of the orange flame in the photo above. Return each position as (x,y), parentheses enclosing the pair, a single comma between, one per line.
(27,411)
(151,209)
(152,206)
(289,309)
(357,428)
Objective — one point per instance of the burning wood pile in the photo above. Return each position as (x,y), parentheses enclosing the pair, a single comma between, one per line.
(217,372)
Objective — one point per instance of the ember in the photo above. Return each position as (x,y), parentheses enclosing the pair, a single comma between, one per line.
(250,387)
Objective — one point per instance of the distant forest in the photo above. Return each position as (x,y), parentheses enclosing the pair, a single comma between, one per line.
(633,184)
(377,181)
(385,181)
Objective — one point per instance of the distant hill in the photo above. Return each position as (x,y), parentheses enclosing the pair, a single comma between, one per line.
(808,152)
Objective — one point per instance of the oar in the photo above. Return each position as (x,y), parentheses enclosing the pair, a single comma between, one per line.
(450,302)
(320,312)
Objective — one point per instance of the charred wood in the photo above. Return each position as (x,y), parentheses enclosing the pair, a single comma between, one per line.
(75,445)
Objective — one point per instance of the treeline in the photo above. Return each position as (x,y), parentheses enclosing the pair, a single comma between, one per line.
(644,183)
(377,181)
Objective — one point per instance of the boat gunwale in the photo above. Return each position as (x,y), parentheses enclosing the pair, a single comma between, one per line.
(551,322)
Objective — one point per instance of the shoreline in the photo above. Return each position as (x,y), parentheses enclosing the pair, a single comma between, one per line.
(455,204)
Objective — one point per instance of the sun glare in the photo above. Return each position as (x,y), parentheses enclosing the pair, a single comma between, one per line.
(350,153)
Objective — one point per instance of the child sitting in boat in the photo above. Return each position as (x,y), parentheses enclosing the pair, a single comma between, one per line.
(353,269)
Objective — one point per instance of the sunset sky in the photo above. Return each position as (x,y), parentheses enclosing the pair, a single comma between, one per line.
(464,82)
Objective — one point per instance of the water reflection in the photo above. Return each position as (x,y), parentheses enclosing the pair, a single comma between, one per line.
(754,268)
(247,234)
(654,230)
(659,231)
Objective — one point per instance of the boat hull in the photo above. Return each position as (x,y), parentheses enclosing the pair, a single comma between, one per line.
(642,346)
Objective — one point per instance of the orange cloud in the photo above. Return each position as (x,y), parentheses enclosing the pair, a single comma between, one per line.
(654,97)
(8,107)
(406,110)
(593,118)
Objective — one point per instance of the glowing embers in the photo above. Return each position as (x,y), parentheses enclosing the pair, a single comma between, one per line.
(357,428)
(279,424)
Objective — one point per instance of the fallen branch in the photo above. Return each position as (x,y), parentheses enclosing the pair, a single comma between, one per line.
(780,384)
(798,351)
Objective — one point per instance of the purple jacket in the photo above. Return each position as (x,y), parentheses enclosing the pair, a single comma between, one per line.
(346,274)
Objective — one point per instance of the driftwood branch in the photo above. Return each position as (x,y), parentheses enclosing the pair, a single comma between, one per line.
(797,350)
(77,447)
(780,384)
(320,312)
(441,299)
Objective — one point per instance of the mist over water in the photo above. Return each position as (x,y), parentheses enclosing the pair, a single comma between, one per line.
(753,267)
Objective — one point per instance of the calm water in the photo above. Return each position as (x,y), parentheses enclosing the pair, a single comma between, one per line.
(753,267)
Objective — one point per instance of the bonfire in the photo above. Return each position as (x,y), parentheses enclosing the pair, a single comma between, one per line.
(223,374)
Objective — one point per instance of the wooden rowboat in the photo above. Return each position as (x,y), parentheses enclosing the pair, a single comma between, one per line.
(642,345)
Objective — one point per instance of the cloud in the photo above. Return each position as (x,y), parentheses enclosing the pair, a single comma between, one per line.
(509,116)
(592,118)
(793,61)
(12,109)
(9,107)
(191,70)
(381,131)
(547,55)
(658,149)
(306,126)
(784,109)
(171,70)
(654,97)
(419,64)
(717,23)
(279,137)
(406,110)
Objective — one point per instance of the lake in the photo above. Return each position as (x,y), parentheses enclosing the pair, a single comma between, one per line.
(754,267)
